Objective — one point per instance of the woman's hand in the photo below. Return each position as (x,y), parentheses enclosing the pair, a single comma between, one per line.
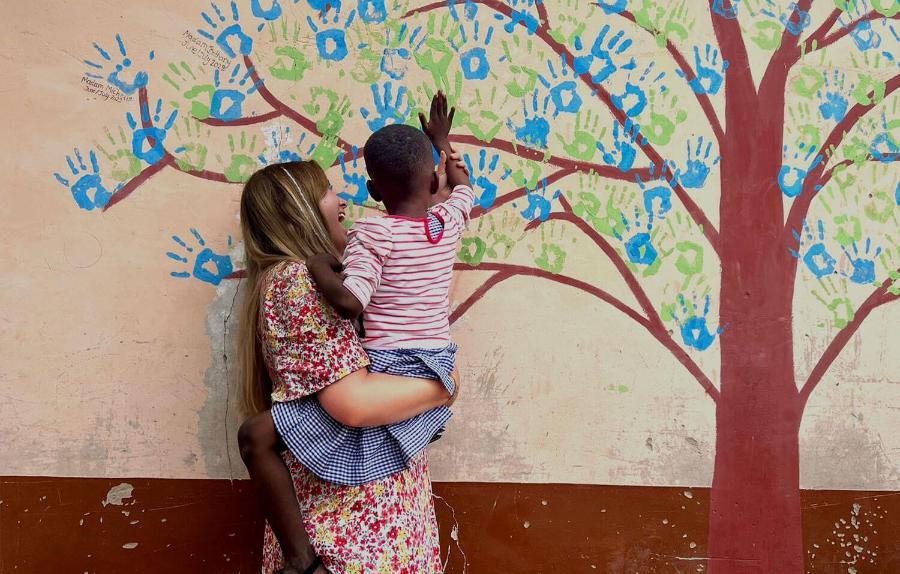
(456,380)
(444,190)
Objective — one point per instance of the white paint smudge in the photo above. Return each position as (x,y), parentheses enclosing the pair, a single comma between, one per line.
(526,524)
(688,494)
(130,546)
(118,494)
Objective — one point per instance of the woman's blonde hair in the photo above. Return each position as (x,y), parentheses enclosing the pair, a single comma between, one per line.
(280,221)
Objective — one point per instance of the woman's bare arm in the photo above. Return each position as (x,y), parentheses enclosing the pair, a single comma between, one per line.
(364,399)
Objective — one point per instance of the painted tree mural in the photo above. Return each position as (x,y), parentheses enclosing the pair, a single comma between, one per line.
(721,156)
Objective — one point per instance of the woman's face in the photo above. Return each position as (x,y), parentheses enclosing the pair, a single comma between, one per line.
(333,209)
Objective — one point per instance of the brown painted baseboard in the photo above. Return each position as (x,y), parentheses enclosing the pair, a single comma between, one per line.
(50,524)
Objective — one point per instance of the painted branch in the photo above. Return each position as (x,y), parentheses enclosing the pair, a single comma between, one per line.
(845,30)
(248,121)
(813,181)
(506,271)
(812,42)
(689,76)
(133,184)
(786,54)
(731,43)
(881,296)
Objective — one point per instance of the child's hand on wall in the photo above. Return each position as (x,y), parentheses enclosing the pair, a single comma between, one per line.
(444,190)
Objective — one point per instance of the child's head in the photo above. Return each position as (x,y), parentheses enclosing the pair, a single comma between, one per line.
(400,163)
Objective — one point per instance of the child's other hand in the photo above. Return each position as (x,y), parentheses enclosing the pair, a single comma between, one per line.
(437,128)
(444,189)
(325,261)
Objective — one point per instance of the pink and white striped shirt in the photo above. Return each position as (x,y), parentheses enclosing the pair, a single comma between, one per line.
(401,274)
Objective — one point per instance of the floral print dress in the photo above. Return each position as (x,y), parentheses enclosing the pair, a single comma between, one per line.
(385,526)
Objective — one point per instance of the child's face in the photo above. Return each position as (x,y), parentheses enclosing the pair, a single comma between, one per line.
(333,210)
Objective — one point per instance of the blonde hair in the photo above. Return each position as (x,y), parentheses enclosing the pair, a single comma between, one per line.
(280,221)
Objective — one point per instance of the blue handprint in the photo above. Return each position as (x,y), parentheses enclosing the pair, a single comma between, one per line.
(276,152)
(803,19)
(227,103)
(539,207)
(474,61)
(222,34)
(147,133)
(657,200)
(632,101)
(623,153)
(114,76)
(603,51)
(391,110)
(273,12)
(372,11)
(639,244)
(726,8)
(483,175)
(208,266)
(613,6)
(355,178)
(834,104)
(523,12)
(817,258)
(709,71)
(535,129)
(694,326)
(88,189)
(790,179)
(863,34)
(400,49)
(694,177)
(564,94)
(331,42)
(884,147)
(863,264)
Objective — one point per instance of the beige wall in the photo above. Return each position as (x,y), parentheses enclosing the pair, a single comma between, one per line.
(113,367)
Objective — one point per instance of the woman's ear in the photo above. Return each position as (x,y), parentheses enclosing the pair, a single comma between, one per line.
(373,191)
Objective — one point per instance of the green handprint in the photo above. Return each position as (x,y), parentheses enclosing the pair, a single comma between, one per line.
(665,115)
(552,258)
(486,123)
(768,34)
(327,152)
(125,165)
(336,108)
(569,27)
(200,95)
(421,100)
(191,156)
(879,207)
(809,134)
(605,219)
(527,174)
(868,84)
(809,82)
(436,55)
(243,162)
(834,298)
(583,144)
(524,78)
(290,64)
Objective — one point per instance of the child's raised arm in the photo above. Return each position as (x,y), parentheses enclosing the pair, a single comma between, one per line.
(437,128)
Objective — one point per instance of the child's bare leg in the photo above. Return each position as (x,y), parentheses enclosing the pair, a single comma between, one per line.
(259,444)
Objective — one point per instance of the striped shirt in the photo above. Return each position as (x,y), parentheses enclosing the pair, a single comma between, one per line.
(400,269)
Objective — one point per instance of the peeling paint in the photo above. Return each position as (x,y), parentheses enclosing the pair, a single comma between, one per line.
(118,494)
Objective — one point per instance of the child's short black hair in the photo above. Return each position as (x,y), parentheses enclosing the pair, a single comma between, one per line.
(398,155)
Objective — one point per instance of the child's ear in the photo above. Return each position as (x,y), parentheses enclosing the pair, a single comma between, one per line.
(373,191)
(435,182)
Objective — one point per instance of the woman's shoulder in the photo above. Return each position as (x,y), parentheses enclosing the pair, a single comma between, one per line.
(289,279)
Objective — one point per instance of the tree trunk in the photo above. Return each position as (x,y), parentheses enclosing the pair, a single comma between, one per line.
(755,501)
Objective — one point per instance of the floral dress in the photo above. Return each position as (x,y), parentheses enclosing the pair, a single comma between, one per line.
(385,526)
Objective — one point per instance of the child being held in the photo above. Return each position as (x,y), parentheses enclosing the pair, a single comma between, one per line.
(397,271)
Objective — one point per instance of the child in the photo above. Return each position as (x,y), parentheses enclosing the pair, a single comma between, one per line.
(397,268)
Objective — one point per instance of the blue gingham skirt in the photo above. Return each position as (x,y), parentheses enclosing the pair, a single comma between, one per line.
(350,455)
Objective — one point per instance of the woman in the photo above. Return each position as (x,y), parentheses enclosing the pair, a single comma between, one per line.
(291,337)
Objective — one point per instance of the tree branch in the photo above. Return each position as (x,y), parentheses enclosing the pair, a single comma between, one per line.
(689,76)
(814,179)
(881,296)
(814,43)
(786,54)
(505,271)
(731,43)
